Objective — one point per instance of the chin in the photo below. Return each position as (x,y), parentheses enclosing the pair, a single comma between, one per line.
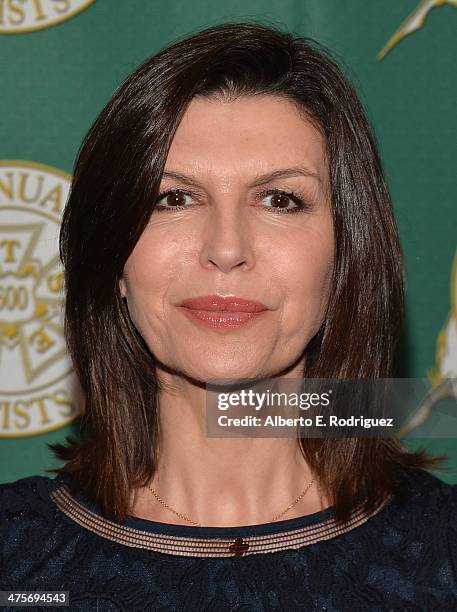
(224,372)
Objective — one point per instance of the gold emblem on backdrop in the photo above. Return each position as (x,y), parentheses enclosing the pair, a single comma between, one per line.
(413,22)
(38,389)
(29,15)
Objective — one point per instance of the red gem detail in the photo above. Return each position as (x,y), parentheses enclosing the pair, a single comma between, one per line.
(239,547)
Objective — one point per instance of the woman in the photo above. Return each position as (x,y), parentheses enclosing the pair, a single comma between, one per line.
(233,172)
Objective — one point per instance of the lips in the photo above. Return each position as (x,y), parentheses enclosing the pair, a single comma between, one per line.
(217,303)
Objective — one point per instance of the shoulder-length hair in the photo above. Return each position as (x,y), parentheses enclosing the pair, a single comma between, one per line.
(116,183)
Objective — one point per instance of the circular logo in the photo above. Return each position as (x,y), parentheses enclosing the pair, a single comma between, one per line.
(29,15)
(38,389)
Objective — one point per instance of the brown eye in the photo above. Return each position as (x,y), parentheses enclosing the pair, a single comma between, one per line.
(175,198)
(279,200)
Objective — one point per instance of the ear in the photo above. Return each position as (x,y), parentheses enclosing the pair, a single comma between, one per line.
(122,287)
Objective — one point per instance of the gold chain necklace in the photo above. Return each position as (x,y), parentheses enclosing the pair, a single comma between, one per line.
(275,518)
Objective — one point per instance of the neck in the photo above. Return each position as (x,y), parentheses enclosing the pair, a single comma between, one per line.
(222,481)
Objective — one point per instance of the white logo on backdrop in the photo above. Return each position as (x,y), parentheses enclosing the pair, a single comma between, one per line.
(38,389)
(18,16)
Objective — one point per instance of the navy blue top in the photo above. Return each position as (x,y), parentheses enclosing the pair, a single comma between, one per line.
(401,557)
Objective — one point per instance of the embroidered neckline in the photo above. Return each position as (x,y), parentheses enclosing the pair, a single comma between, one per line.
(242,544)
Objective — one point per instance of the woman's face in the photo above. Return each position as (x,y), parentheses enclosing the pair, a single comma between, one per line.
(228,161)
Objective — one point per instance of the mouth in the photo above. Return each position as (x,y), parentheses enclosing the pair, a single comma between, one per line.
(222,312)
(217,303)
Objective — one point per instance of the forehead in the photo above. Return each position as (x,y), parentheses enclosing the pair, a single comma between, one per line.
(249,133)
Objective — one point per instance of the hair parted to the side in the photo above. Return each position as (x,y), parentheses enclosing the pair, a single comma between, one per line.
(116,182)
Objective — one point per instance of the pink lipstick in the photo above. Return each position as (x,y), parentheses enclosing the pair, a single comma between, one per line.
(222,312)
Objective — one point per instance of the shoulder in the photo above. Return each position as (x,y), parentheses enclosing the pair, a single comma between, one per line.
(28,519)
(25,504)
(425,496)
(421,513)
(421,487)
(426,507)
(25,494)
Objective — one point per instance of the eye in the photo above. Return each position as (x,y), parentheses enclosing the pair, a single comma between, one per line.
(281,201)
(173,199)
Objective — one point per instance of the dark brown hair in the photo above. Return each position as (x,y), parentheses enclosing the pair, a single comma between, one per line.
(116,180)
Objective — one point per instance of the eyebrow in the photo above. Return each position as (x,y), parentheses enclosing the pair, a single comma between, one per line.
(260,179)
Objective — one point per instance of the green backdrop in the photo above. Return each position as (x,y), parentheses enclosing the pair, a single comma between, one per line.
(57,76)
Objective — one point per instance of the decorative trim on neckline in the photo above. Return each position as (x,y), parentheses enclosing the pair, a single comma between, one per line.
(207,546)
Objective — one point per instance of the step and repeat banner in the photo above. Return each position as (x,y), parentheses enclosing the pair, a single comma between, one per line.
(61,60)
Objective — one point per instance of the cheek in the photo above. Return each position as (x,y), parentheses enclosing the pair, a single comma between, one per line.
(152,261)
(307,262)
(148,273)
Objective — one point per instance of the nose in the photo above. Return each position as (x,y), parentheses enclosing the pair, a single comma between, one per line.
(226,241)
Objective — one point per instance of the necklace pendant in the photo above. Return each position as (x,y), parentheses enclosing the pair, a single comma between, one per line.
(239,547)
